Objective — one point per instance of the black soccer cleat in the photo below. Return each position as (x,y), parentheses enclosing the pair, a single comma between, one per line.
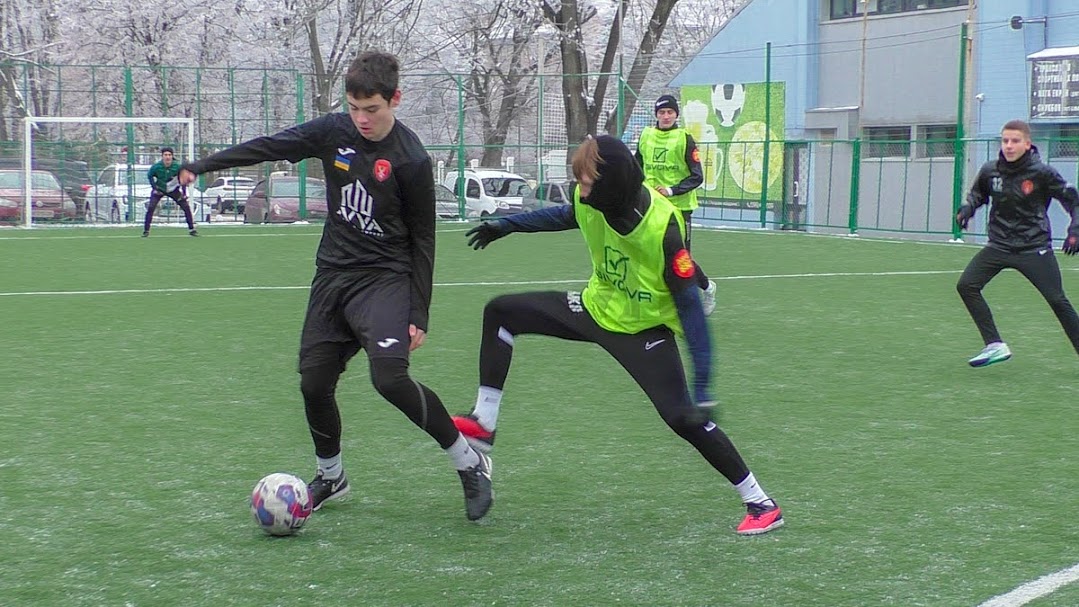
(323,489)
(477,484)
(194,232)
(146,233)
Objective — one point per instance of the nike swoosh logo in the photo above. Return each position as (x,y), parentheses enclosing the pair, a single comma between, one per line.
(648,345)
(386,343)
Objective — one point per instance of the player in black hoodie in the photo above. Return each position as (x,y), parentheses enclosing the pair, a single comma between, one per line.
(1020,186)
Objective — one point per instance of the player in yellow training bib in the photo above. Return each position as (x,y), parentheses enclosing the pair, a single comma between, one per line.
(641,295)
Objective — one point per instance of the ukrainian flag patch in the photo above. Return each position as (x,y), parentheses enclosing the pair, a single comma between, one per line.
(341,162)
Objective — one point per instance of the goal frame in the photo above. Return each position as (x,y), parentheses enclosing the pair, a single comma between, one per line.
(28,143)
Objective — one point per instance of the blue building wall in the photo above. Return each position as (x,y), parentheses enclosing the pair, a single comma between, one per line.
(737,54)
(1002,72)
(999,72)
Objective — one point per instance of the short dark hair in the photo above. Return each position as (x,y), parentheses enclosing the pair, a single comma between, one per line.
(167,149)
(1017,125)
(373,73)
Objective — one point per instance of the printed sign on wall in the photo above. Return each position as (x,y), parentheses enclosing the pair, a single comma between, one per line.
(728,123)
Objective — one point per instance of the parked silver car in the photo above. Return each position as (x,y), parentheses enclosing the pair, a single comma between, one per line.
(227,194)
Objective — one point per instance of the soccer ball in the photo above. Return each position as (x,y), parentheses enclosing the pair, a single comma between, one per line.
(280,504)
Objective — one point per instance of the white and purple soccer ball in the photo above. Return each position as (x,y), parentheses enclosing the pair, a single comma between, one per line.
(280,503)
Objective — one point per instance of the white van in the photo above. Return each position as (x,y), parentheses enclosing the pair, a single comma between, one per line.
(489,191)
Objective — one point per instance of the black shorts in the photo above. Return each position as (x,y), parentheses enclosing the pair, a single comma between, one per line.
(349,310)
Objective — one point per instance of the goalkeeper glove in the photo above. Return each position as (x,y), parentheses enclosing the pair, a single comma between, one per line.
(1071,243)
(486,233)
(963,216)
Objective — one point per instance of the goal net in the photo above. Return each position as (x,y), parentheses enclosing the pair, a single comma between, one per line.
(76,169)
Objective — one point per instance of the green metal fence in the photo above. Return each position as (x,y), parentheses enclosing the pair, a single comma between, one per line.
(229,105)
(904,189)
(867,187)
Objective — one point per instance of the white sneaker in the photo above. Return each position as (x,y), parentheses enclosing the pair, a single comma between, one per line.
(995,352)
(708,298)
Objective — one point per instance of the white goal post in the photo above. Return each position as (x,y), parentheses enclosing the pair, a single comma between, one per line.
(184,154)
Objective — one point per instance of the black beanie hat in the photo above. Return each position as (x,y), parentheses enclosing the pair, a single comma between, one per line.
(666,101)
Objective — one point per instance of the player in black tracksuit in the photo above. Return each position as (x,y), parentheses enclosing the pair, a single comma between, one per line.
(1020,186)
(375,262)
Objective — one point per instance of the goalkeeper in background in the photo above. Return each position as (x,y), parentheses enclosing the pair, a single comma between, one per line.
(642,292)
(164,179)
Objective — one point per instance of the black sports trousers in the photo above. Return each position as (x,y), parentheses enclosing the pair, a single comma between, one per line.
(651,357)
(178,196)
(1040,267)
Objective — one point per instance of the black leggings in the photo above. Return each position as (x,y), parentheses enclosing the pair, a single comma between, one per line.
(651,357)
(1039,267)
(391,379)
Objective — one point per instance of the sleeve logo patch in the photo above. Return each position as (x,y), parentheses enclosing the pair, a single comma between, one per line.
(683,264)
(696,155)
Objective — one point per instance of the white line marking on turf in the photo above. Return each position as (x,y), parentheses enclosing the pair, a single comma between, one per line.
(465,284)
(303,287)
(1036,589)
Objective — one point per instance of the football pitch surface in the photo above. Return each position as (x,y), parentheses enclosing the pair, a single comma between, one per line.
(149,383)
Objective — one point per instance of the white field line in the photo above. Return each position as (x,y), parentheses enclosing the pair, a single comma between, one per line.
(459,284)
(1036,589)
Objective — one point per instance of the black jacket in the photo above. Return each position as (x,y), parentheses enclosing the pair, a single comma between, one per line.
(1021,192)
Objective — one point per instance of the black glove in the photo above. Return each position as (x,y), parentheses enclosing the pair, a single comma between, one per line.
(1071,243)
(486,233)
(963,216)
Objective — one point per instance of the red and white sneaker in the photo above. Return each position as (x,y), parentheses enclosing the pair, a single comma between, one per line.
(481,439)
(762,517)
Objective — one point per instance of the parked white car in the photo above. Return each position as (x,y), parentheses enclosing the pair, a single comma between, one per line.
(490,191)
(120,194)
(227,194)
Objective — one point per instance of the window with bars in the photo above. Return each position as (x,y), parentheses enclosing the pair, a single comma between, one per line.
(1066,144)
(886,142)
(842,9)
(938,140)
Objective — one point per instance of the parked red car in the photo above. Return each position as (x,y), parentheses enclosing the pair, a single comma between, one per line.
(277,200)
(49,200)
(10,210)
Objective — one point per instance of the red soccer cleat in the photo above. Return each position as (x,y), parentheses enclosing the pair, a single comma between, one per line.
(762,517)
(481,439)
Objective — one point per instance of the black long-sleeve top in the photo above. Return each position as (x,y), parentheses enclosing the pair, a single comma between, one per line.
(380,197)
